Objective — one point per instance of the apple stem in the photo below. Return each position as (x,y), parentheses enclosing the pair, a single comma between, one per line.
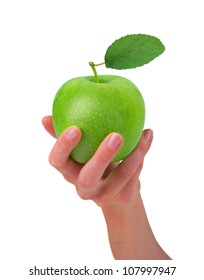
(94,69)
(99,64)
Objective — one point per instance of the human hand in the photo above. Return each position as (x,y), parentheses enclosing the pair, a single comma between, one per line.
(115,187)
(100,180)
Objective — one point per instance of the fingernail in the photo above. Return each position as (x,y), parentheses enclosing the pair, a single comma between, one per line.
(72,133)
(148,134)
(114,141)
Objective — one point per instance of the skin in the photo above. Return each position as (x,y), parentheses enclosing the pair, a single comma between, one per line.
(115,187)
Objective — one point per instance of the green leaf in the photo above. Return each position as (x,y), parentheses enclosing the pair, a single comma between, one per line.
(132,51)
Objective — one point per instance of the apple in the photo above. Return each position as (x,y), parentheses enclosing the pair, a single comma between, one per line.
(98,106)
(102,104)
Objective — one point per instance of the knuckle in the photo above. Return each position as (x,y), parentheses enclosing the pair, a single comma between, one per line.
(54,163)
(84,195)
(68,178)
(102,156)
(84,181)
(142,149)
(126,171)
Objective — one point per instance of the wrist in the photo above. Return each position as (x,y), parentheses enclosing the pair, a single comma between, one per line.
(125,204)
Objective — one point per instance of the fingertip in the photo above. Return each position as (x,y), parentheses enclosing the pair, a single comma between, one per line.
(46,120)
(48,125)
(148,134)
(115,140)
(72,133)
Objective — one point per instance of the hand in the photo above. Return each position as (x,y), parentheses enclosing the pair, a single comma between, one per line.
(99,179)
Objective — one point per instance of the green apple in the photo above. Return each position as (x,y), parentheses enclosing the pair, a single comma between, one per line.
(98,107)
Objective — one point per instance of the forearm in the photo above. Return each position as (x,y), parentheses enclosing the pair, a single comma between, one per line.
(130,234)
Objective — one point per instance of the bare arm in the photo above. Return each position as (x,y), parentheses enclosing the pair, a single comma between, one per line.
(130,234)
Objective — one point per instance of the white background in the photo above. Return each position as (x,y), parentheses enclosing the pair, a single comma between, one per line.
(45,43)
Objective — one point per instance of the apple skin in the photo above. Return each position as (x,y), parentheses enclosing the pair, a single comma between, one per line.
(112,105)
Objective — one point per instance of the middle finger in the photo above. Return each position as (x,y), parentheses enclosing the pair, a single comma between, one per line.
(93,171)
